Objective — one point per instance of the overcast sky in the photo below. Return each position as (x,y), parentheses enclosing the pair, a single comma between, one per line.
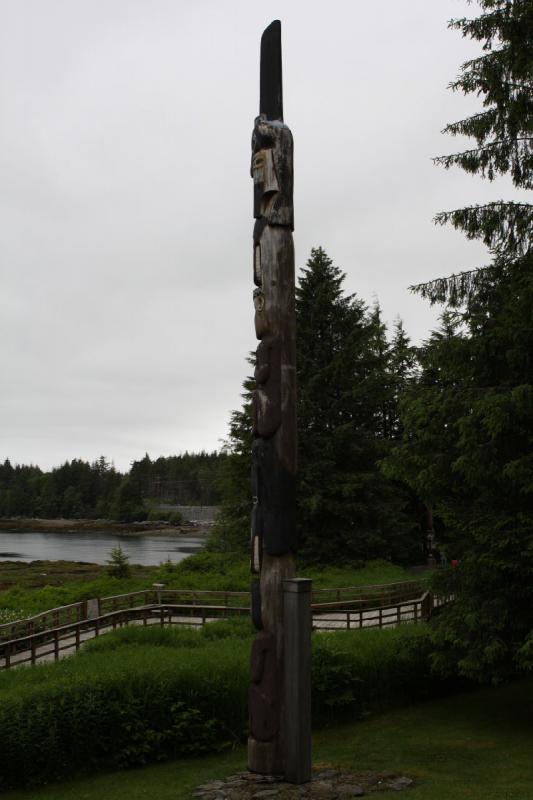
(126,201)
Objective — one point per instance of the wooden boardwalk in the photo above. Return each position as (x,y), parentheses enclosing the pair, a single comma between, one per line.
(54,643)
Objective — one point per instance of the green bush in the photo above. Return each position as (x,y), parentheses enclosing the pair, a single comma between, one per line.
(122,706)
(357,672)
(146,694)
(118,563)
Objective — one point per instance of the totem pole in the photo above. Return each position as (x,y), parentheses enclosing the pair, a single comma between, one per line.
(273,535)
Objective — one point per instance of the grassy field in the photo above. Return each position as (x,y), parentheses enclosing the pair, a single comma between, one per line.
(26,589)
(473,746)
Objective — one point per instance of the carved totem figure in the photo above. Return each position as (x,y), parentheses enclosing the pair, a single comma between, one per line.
(274,406)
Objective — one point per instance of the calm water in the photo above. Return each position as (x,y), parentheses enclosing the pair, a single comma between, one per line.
(95,547)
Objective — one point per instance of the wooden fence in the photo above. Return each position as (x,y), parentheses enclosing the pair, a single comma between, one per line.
(340,614)
(49,644)
(354,614)
(47,620)
(365,596)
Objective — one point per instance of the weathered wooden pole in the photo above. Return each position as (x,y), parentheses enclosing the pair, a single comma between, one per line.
(273,539)
(297,624)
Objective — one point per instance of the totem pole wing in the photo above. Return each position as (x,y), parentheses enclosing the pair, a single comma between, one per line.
(271,87)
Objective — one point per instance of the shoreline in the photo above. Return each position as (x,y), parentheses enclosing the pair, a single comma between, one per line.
(130,529)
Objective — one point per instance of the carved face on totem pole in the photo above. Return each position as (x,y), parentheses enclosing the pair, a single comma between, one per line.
(272,154)
(273,186)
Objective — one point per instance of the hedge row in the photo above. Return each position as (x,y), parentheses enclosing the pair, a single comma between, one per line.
(142,695)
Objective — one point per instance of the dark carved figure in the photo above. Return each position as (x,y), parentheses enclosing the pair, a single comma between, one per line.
(263,694)
(267,396)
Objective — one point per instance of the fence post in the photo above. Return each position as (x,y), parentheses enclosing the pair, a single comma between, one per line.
(297,624)
(92,608)
(428,604)
(158,591)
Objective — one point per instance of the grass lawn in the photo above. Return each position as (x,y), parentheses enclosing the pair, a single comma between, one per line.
(473,746)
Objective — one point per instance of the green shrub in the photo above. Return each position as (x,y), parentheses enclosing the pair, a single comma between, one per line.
(121,707)
(356,672)
(118,563)
(146,694)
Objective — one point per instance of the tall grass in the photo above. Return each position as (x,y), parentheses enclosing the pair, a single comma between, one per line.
(202,571)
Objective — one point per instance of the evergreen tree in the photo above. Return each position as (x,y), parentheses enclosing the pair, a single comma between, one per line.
(127,504)
(347,508)
(231,531)
(403,364)
(118,563)
(468,430)
(48,503)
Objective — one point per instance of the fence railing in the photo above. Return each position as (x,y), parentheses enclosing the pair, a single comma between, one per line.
(333,616)
(53,618)
(387,592)
(353,598)
(192,596)
(49,644)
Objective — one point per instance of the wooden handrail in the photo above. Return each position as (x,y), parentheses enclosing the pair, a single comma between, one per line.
(364,594)
(374,586)
(30,642)
(36,619)
(327,616)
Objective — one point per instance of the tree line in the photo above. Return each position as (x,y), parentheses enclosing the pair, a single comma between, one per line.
(81,490)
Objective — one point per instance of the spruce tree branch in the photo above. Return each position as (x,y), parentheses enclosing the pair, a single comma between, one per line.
(457,288)
(482,149)
(498,204)
(482,115)
(418,288)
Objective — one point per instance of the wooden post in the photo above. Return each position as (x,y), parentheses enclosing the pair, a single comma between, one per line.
(297,663)
(273,538)
(158,587)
